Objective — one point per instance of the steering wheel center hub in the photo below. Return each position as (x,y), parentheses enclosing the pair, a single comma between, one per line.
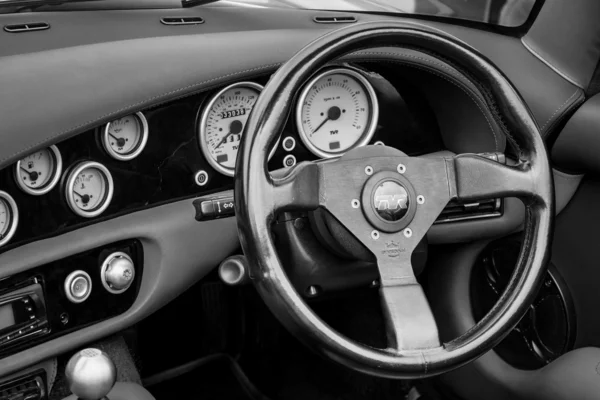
(389,201)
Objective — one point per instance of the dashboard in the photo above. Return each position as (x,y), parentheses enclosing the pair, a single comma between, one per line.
(137,122)
(187,148)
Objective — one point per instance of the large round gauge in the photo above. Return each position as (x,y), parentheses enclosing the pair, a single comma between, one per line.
(89,189)
(125,138)
(9,217)
(337,111)
(222,124)
(39,172)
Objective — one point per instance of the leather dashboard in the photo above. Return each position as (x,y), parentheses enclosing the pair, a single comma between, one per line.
(53,90)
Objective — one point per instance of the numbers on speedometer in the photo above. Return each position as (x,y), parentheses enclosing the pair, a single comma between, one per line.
(337,111)
(222,124)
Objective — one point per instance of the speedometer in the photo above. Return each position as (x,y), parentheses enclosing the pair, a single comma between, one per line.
(337,111)
(222,124)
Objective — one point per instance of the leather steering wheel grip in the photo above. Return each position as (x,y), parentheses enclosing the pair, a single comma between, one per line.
(256,203)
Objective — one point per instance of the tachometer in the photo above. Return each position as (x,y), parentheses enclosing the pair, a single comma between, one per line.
(125,138)
(222,124)
(89,189)
(337,111)
(9,217)
(39,172)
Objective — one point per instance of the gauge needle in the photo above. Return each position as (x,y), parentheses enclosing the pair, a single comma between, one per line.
(120,141)
(32,175)
(84,198)
(234,128)
(332,115)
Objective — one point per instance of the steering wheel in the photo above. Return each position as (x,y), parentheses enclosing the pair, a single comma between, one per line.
(352,187)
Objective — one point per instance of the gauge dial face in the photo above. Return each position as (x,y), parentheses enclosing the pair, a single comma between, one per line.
(337,111)
(223,122)
(9,217)
(5,218)
(39,172)
(89,189)
(125,138)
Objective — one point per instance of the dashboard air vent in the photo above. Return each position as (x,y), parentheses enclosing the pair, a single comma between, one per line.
(182,21)
(455,211)
(34,26)
(335,20)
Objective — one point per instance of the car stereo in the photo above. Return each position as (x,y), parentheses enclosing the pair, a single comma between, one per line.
(22,313)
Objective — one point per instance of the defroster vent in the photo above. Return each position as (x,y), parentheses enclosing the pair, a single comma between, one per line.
(34,26)
(182,20)
(348,19)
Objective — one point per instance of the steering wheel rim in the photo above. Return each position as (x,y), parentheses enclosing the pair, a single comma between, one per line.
(259,196)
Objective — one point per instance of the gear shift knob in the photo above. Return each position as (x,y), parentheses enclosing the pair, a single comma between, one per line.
(91,374)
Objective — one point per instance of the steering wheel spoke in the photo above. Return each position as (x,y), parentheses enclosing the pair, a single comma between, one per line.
(297,188)
(478,178)
(410,324)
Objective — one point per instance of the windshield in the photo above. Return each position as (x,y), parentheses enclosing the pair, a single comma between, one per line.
(508,13)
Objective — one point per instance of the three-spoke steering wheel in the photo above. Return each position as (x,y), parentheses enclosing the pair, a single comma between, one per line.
(389,201)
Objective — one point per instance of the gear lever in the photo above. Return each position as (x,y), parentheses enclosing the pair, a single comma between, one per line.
(91,374)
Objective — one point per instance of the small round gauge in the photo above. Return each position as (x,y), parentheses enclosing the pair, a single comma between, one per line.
(89,189)
(9,217)
(222,124)
(337,111)
(39,172)
(125,138)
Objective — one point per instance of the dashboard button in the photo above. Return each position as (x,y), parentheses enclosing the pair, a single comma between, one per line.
(201,178)
(289,161)
(289,143)
(78,286)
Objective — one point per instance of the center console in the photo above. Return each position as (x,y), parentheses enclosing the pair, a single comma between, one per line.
(66,295)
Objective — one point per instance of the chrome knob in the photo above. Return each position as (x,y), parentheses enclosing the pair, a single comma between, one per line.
(117,272)
(90,374)
(234,270)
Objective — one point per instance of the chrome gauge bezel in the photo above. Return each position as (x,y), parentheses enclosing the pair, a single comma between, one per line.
(368,133)
(14,217)
(70,196)
(140,147)
(57,172)
(204,119)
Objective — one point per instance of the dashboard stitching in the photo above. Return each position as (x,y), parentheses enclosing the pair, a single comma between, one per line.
(559,108)
(182,89)
(408,64)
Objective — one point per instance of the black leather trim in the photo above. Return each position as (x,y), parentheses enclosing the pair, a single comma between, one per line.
(578,145)
(566,37)
(413,59)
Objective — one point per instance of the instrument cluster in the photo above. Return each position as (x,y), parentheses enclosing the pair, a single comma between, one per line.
(88,185)
(336,111)
(189,147)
